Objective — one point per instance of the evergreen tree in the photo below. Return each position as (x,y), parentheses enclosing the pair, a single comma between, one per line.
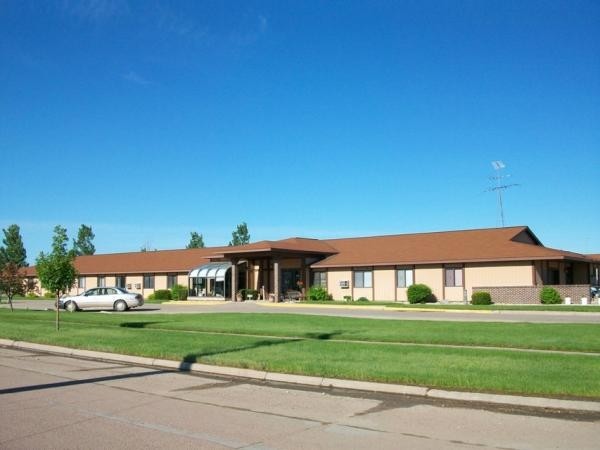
(240,236)
(196,240)
(83,245)
(13,250)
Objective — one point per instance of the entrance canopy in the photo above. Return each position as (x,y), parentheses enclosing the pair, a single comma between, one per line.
(216,270)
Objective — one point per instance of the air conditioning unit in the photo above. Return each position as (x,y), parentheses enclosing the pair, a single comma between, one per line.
(344,284)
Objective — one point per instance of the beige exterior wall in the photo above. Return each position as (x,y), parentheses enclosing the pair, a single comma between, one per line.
(454,294)
(384,281)
(498,274)
(160,281)
(401,295)
(361,292)
(334,276)
(432,276)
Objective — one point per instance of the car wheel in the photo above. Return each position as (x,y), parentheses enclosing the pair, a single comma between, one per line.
(71,306)
(120,306)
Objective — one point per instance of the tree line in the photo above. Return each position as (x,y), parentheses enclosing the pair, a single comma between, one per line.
(55,269)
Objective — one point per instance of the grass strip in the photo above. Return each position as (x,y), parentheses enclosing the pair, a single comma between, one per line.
(540,336)
(500,371)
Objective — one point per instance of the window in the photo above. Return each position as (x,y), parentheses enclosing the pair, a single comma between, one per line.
(171,280)
(454,276)
(81,282)
(148,281)
(320,279)
(120,281)
(101,281)
(404,278)
(363,278)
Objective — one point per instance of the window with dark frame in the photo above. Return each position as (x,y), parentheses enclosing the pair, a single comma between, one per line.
(453,277)
(320,279)
(404,277)
(171,280)
(148,281)
(120,281)
(363,278)
(81,282)
(101,281)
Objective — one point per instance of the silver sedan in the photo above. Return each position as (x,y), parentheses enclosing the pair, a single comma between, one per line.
(102,297)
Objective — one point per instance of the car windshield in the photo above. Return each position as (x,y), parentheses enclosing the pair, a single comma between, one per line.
(123,291)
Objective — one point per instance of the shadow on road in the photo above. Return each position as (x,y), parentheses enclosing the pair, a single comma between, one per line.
(59,384)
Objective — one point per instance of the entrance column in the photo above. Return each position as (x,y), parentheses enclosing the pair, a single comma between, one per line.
(276,276)
(234,280)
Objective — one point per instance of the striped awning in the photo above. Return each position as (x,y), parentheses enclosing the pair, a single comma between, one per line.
(216,270)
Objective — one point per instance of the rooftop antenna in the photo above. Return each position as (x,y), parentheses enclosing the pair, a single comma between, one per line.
(500,186)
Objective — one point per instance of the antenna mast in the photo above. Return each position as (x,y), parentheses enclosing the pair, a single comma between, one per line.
(500,186)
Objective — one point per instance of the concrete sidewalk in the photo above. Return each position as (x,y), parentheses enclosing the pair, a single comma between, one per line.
(510,400)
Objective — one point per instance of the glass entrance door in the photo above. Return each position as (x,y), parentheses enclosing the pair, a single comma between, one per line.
(290,279)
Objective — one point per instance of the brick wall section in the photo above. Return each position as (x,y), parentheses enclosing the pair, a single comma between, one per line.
(528,295)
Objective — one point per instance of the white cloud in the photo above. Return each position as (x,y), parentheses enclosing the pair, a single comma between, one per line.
(95,10)
(134,77)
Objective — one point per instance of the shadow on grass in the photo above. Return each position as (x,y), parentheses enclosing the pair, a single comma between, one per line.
(323,336)
(137,324)
(192,358)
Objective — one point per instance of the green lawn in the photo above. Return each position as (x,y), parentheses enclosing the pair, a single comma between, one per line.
(312,345)
(563,308)
(461,307)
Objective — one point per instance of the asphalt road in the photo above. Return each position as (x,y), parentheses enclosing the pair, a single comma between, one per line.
(341,310)
(49,401)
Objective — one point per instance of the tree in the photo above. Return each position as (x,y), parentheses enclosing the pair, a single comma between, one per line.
(83,245)
(240,236)
(56,270)
(13,250)
(12,281)
(196,240)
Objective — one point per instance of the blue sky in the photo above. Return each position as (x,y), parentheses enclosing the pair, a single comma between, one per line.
(150,119)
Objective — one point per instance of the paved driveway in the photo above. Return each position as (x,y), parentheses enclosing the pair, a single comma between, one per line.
(341,310)
(51,401)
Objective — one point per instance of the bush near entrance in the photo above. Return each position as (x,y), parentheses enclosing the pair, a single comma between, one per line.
(419,293)
(550,296)
(179,292)
(319,293)
(481,298)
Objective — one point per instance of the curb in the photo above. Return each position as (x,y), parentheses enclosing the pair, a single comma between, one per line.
(497,399)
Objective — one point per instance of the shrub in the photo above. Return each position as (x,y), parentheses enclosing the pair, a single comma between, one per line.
(363,299)
(49,295)
(179,292)
(348,298)
(419,293)
(481,298)
(32,295)
(162,294)
(151,297)
(319,293)
(550,296)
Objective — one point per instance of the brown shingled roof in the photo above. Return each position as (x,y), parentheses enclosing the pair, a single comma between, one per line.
(493,244)
(295,244)
(483,245)
(160,261)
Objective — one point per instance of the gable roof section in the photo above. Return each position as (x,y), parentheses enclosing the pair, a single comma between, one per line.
(295,244)
(483,245)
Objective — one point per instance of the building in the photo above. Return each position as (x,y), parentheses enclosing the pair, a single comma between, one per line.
(510,262)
